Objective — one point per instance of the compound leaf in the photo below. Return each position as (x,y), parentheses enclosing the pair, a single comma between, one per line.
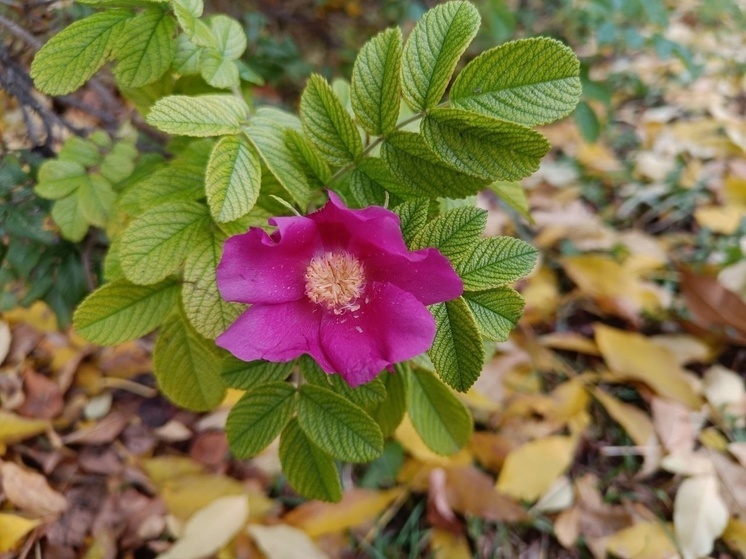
(203,115)
(496,311)
(232,179)
(145,48)
(495,261)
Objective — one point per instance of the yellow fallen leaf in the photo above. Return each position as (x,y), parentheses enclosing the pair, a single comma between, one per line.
(541,293)
(633,420)
(447,545)
(184,495)
(699,515)
(284,542)
(407,435)
(13,528)
(210,528)
(685,348)
(721,219)
(163,468)
(29,491)
(634,357)
(530,470)
(734,535)
(38,315)
(646,540)
(357,506)
(14,428)
(569,341)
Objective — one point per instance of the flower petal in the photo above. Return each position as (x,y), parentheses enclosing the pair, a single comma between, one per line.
(358,231)
(426,274)
(276,333)
(390,326)
(259,268)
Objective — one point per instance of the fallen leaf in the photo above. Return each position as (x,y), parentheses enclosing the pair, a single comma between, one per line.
(569,341)
(447,545)
(725,390)
(29,491)
(43,396)
(530,470)
(472,492)
(676,426)
(720,219)
(38,315)
(633,420)
(597,519)
(685,348)
(13,529)
(407,435)
(357,506)
(210,528)
(739,451)
(567,527)
(699,516)
(559,496)
(646,540)
(542,295)
(734,535)
(185,495)
(284,542)
(14,428)
(733,482)
(632,356)
(5,339)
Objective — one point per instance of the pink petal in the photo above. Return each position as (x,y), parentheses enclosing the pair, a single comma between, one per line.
(390,326)
(259,268)
(276,333)
(369,229)
(426,274)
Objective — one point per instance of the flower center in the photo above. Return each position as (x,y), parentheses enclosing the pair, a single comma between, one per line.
(335,280)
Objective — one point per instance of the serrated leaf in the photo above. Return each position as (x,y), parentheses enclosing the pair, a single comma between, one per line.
(513,194)
(529,81)
(232,179)
(453,233)
(68,215)
(59,178)
(412,217)
(71,57)
(187,366)
(247,375)
(187,56)
(421,172)
(96,198)
(337,425)
(482,146)
(367,395)
(203,115)
(370,180)
(457,352)
(117,165)
(267,131)
(231,39)
(442,421)
(310,470)
(389,413)
(157,242)
(207,311)
(193,7)
(145,48)
(84,152)
(433,49)
(496,261)
(259,417)
(307,157)
(376,82)
(121,311)
(327,123)
(187,13)
(218,71)
(496,311)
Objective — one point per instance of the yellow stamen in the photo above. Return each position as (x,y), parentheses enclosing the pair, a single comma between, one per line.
(335,280)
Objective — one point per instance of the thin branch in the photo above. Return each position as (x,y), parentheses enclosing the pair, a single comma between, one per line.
(20,33)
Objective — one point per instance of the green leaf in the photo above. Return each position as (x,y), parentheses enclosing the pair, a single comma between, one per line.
(96,197)
(496,261)
(442,421)
(315,168)
(496,311)
(310,470)
(59,178)
(457,352)
(71,57)
(203,115)
(421,172)
(433,49)
(376,82)
(218,65)
(530,81)
(68,215)
(453,233)
(232,178)
(84,152)
(327,123)
(187,366)
(389,413)
(188,12)
(482,146)
(187,56)
(412,217)
(367,395)
(157,242)
(172,183)
(267,131)
(337,425)
(259,417)
(145,48)
(370,180)
(121,311)
(218,71)
(231,39)
(118,164)
(248,375)
(587,122)
(208,312)
(513,194)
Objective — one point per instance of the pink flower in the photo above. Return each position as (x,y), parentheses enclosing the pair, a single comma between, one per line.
(338,284)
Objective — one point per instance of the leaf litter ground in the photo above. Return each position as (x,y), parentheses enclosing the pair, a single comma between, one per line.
(612,422)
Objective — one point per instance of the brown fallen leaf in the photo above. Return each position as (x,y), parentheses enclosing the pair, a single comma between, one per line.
(43,396)
(471,491)
(100,432)
(29,491)
(676,426)
(714,307)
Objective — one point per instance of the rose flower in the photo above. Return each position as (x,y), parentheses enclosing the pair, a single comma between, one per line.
(338,284)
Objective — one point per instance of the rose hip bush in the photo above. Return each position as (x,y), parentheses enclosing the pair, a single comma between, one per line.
(332,264)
